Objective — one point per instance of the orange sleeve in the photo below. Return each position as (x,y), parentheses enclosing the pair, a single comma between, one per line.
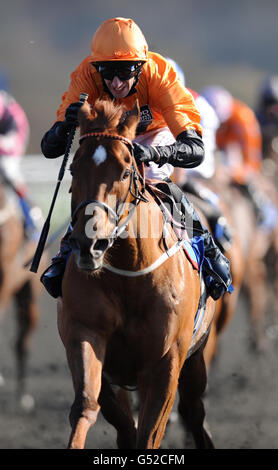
(250,135)
(243,128)
(80,82)
(170,98)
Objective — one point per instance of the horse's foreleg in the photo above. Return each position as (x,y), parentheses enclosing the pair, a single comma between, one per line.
(157,390)
(115,408)
(85,354)
(192,385)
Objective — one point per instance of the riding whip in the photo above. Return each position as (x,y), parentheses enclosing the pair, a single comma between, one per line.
(44,233)
(50,240)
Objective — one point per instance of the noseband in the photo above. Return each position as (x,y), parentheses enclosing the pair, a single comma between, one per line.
(138,195)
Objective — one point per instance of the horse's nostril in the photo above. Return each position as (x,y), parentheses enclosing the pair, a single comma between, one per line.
(101,245)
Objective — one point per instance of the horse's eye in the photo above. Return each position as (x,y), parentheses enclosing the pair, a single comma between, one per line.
(126,174)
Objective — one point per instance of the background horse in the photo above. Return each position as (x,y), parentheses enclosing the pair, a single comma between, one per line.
(17,284)
(226,306)
(252,249)
(119,327)
(257,244)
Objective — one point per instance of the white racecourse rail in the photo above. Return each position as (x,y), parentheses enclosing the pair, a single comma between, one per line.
(41,176)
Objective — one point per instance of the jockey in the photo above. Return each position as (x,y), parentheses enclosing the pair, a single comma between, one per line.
(14,137)
(267,115)
(120,68)
(240,138)
(190,179)
(238,135)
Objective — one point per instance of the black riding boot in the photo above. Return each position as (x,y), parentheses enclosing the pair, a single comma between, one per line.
(53,275)
(216,266)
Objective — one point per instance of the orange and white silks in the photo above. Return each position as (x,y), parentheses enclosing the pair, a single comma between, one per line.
(170,103)
(241,135)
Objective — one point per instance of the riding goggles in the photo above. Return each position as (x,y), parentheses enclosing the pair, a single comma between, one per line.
(124,71)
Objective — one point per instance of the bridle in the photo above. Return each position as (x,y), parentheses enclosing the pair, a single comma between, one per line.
(137,193)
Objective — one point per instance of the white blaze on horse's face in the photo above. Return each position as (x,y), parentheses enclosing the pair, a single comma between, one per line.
(99,155)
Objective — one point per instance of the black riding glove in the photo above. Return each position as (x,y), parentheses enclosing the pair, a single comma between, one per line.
(54,141)
(145,153)
(70,119)
(186,152)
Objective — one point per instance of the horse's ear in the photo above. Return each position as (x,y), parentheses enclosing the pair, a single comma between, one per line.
(84,117)
(128,126)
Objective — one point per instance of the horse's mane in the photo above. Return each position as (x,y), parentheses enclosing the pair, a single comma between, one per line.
(107,115)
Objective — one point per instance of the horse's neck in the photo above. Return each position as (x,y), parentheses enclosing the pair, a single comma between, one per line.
(140,244)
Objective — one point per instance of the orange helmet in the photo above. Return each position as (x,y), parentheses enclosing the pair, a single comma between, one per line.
(119,39)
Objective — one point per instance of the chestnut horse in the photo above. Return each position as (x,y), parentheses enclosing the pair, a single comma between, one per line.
(126,318)
(17,284)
